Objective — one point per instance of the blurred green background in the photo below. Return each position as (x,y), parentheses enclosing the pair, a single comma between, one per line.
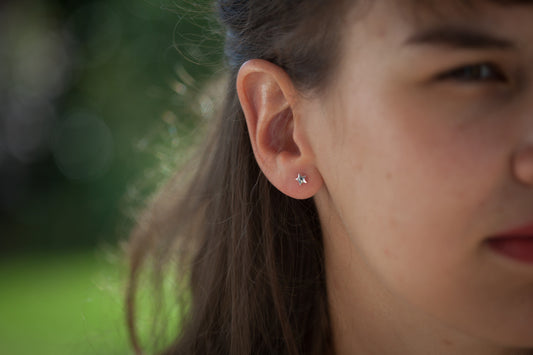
(97,101)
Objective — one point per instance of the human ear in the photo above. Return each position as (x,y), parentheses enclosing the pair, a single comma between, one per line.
(270,103)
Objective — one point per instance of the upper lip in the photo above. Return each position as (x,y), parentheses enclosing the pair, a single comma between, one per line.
(525,230)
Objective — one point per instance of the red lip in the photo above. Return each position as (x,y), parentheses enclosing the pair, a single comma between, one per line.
(523,231)
(516,243)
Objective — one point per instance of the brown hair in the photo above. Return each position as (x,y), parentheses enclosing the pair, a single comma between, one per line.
(252,258)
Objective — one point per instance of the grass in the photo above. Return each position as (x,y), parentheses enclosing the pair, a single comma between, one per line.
(63,303)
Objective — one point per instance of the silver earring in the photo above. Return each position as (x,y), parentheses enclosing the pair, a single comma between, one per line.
(301,179)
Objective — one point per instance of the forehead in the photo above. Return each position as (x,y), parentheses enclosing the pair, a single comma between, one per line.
(449,24)
(468,3)
(440,7)
(492,15)
(421,12)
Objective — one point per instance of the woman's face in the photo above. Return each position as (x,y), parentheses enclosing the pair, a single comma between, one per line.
(424,143)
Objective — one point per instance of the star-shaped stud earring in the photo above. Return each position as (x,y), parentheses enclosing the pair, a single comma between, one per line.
(301,179)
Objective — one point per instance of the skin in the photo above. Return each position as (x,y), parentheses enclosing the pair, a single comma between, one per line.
(411,173)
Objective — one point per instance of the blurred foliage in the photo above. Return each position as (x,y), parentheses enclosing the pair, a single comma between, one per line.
(55,304)
(98,102)
(97,99)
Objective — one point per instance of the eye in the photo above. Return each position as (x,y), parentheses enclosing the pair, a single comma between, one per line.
(482,72)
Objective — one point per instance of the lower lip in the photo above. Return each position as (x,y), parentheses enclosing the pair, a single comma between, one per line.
(518,248)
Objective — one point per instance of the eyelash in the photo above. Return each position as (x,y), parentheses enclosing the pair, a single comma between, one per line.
(475,73)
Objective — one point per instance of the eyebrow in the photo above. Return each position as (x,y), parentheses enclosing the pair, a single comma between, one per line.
(460,38)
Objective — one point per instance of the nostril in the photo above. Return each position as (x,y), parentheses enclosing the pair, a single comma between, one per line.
(522,165)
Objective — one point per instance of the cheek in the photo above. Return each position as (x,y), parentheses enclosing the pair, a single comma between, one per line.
(413,191)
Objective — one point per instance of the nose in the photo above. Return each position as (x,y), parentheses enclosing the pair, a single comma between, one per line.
(523,165)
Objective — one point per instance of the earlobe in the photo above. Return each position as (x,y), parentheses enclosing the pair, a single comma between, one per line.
(304,184)
(270,104)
